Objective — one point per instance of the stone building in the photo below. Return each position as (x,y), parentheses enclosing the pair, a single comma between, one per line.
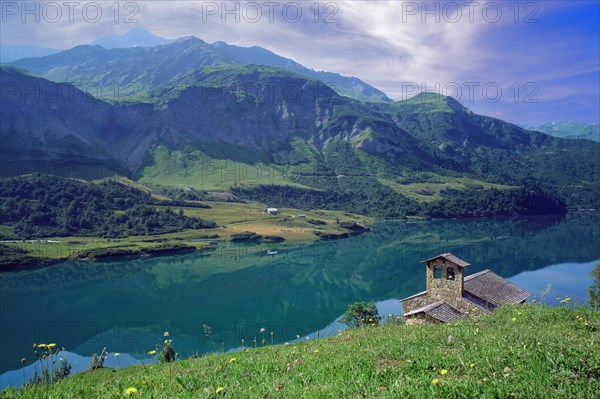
(450,295)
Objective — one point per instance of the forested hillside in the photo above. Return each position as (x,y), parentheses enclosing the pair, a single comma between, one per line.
(45,206)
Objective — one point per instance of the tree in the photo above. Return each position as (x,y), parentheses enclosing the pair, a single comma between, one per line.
(361,313)
(594,289)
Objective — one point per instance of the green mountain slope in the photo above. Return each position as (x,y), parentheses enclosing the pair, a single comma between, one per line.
(346,86)
(54,128)
(129,73)
(249,126)
(492,149)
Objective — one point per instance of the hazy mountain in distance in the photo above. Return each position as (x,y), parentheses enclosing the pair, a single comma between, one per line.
(568,130)
(142,69)
(13,52)
(137,37)
(348,86)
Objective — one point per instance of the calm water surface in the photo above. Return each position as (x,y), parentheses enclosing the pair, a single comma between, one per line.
(211,301)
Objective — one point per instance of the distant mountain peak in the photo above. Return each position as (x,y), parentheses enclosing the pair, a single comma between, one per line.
(136,37)
(187,38)
(427,97)
(567,129)
(437,101)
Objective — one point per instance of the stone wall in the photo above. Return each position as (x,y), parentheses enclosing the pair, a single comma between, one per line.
(420,319)
(441,289)
(415,303)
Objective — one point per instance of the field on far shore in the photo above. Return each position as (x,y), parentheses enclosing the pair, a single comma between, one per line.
(293,225)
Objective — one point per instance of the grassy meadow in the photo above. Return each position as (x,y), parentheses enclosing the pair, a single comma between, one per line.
(521,351)
(231,218)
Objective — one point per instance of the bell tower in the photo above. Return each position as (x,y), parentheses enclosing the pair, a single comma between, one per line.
(445,278)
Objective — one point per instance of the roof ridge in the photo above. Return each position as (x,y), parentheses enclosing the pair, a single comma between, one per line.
(449,257)
(414,296)
(472,276)
(426,308)
(494,288)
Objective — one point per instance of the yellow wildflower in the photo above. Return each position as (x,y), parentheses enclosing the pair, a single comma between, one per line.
(219,390)
(472,365)
(116,354)
(152,352)
(232,360)
(444,372)
(41,346)
(51,346)
(435,381)
(131,391)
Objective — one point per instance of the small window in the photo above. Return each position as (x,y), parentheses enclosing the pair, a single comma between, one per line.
(437,271)
(450,273)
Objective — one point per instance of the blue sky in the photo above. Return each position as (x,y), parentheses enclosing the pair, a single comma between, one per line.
(522,61)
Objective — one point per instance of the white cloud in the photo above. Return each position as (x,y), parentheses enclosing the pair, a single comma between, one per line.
(384,43)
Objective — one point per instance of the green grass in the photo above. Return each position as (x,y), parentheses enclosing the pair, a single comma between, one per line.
(529,351)
(431,191)
(61,248)
(177,169)
(236,218)
(231,217)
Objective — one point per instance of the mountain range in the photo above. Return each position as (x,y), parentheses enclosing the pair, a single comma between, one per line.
(128,74)
(568,129)
(226,118)
(12,52)
(137,37)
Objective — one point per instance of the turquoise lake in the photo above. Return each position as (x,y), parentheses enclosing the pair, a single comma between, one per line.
(211,301)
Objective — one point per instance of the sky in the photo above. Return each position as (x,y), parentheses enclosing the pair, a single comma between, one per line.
(521,61)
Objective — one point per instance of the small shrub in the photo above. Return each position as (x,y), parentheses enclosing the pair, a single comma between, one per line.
(360,314)
(167,355)
(316,222)
(245,236)
(97,362)
(594,289)
(63,369)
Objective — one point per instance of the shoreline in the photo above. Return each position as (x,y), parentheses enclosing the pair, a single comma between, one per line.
(44,262)
(114,253)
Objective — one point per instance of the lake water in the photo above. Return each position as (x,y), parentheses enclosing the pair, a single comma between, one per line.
(211,301)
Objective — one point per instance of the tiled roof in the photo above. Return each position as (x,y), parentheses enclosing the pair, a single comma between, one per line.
(451,258)
(441,311)
(478,302)
(424,308)
(494,289)
(413,296)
